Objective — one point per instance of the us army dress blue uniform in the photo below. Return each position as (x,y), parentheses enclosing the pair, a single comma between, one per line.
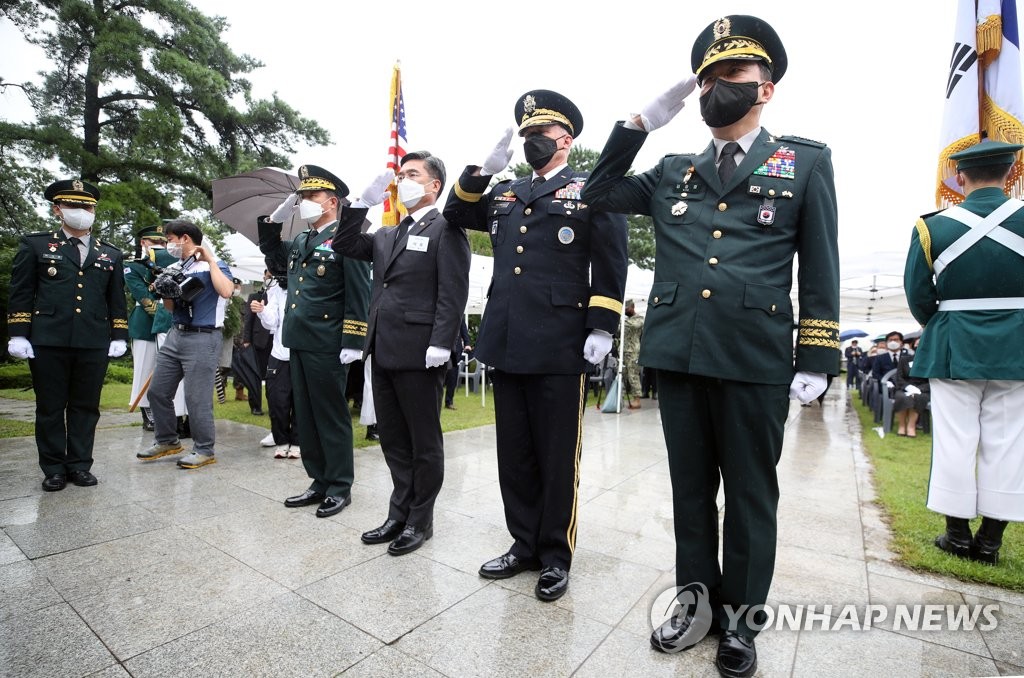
(326,310)
(559,272)
(719,314)
(70,313)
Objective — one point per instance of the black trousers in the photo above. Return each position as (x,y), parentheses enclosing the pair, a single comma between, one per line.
(325,425)
(68,383)
(451,382)
(734,429)
(408,407)
(280,402)
(539,422)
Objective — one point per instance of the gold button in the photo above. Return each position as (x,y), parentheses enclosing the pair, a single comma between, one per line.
(771,191)
(300,278)
(657,299)
(522,229)
(716,234)
(79,298)
(527,211)
(80,285)
(385,285)
(78,310)
(519,249)
(518,270)
(80,273)
(296,292)
(303,265)
(293,305)
(773,308)
(706,294)
(722,207)
(579,304)
(713,260)
(683,194)
(325,316)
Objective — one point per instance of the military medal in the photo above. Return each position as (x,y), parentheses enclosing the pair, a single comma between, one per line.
(566,235)
(679,209)
(320,270)
(53,247)
(766,214)
(689,173)
(52,271)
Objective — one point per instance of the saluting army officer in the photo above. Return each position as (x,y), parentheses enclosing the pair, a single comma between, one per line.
(324,326)
(719,325)
(964,281)
(67,315)
(554,300)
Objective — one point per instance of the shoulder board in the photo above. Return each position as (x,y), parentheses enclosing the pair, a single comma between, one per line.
(677,155)
(801,140)
(932,214)
(41,234)
(111,246)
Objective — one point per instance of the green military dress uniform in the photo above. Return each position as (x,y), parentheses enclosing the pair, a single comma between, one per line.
(719,330)
(148,317)
(70,313)
(326,311)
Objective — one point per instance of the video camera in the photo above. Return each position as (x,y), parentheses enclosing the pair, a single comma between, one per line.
(174,283)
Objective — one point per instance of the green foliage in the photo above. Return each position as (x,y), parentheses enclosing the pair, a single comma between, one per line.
(143,99)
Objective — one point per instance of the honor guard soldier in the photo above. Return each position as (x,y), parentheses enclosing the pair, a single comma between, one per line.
(554,300)
(719,328)
(67,316)
(148,318)
(964,281)
(325,328)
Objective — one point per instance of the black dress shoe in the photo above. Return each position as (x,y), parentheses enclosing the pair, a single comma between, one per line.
(257,413)
(449,406)
(307,498)
(552,585)
(737,656)
(411,539)
(679,634)
(82,478)
(54,482)
(386,532)
(371,432)
(507,565)
(331,505)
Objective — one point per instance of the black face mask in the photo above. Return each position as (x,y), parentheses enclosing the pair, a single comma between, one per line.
(727,102)
(539,150)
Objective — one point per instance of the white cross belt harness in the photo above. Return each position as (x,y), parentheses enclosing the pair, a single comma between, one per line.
(979,228)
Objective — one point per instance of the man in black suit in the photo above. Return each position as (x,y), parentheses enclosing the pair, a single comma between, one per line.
(889,359)
(853,356)
(556,297)
(451,380)
(420,286)
(261,339)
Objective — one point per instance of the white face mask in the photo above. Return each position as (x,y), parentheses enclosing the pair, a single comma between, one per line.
(410,193)
(310,211)
(894,345)
(77,219)
(174,249)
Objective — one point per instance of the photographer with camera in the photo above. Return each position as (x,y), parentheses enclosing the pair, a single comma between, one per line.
(196,291)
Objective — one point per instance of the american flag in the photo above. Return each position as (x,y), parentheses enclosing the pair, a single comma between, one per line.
(393,211)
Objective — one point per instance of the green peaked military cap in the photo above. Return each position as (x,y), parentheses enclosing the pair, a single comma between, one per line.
(314,178)
(986,153)
(72,191)
(151,233)
(739,36)
(544,107)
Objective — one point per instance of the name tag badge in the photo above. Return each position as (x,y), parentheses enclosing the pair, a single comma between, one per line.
(417,243)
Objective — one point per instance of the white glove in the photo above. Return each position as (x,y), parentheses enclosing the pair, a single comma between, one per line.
(20,347)
(912,390)
(597,346)
(350,355)
(118,347)
(807,386)
(437,356)
(659,112)
(890,385)
(374,193)
(286,209)
(497,161)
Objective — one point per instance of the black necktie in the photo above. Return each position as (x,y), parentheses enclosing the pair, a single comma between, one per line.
(403,228)
(78,249)
(535,185)
(727,161)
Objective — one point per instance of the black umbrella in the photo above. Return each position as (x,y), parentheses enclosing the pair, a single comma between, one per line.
(240,200)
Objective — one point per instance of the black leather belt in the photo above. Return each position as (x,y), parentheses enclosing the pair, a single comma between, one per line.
(194,328)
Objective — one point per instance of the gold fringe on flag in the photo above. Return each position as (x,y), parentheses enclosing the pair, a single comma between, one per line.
(990,39)
(944,195)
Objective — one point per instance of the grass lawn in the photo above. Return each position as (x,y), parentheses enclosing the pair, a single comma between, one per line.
(901,468)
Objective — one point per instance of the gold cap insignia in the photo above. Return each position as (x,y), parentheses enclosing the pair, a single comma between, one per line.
(303,172)
(723,27)
(159,229)
(529,103)
(77,185)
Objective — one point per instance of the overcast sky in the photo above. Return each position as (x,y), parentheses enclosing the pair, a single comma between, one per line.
(867,78)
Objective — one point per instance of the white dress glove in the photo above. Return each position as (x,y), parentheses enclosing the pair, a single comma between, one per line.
(20,347)
(659,112)
(374,193)
(912,390)
(286,209)
(437,356)
(497,161)
(597,346)
(350,355)
(118,347)
(807,386)
(890,385)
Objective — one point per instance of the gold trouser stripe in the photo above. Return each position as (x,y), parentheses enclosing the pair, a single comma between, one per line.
(613,305)
(570,533)
(466,197)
